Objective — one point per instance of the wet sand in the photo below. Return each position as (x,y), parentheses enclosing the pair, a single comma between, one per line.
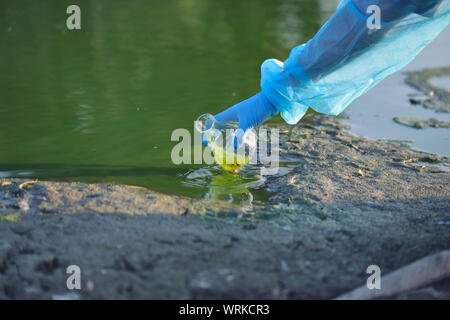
(346,203)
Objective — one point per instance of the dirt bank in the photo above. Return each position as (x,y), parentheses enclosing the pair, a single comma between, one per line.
(346,203)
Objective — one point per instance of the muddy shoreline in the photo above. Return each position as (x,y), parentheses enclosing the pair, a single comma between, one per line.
(346,203)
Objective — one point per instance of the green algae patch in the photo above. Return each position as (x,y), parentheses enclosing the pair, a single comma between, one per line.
(11,218)
(5,183)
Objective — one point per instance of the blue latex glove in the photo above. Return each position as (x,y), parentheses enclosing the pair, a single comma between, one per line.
(346,58)
(248,113)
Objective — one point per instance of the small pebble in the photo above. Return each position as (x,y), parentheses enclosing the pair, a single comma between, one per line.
(89,286)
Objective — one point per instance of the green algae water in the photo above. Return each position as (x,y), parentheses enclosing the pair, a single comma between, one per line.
(99,104)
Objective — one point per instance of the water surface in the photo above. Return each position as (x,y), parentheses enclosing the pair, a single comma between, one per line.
(100,103)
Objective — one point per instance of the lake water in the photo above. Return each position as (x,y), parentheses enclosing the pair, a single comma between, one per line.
(99,104)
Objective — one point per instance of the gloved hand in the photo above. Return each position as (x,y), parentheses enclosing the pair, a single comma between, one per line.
(249,113)
(346,57)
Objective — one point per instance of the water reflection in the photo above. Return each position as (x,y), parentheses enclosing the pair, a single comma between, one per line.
(85,119)
(225,186)
(327,7)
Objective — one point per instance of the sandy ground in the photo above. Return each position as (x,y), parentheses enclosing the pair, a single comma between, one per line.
(347,203)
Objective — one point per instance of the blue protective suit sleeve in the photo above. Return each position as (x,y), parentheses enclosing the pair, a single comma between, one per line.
(348,56)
